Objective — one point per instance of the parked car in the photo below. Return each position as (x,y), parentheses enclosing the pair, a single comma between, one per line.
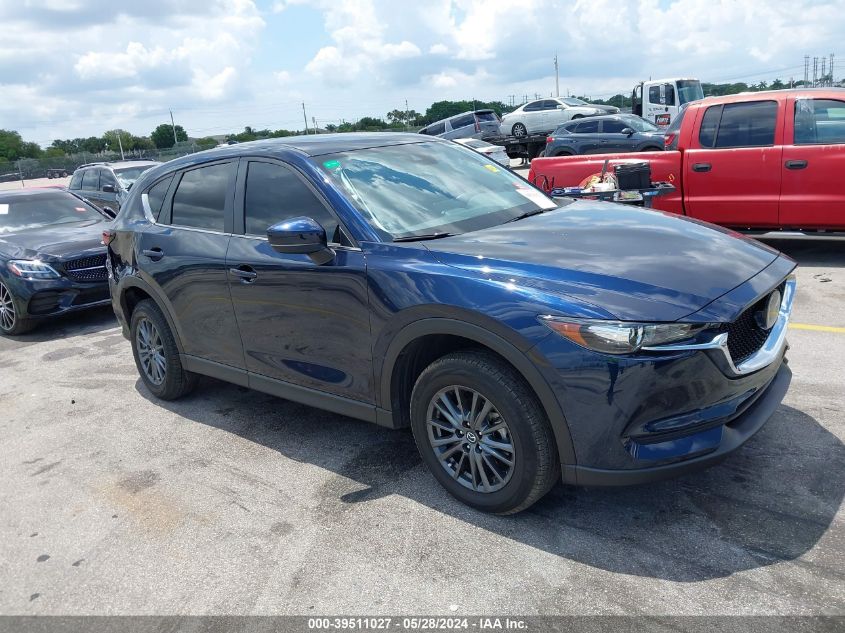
(755,161)
(474,124)
(406,281)
(52,260)
(106,184)
(600,134)
(493,152)
(576,102)
(545,115)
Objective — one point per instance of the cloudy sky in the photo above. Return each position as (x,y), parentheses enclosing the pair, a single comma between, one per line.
(79,67)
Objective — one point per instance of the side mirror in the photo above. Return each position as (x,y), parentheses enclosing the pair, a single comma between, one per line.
(302,236)
(627,131)
(560,106)
(109,189)
(110,212)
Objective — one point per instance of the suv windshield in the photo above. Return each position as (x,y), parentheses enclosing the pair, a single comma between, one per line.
(430,189)
(129,175)
(641,125)
(689,90)
(21,213)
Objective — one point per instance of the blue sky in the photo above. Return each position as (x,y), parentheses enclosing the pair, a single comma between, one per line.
(79,67)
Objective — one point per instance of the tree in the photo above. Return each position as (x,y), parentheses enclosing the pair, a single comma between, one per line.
(777,84)
(162,136)
(10,145)
(206,142)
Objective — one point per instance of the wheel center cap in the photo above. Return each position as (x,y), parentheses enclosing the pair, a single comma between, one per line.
(472,438)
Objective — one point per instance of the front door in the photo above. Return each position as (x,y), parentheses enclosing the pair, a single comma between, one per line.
(811,191)
(184,254)
(300,322)
(732,171)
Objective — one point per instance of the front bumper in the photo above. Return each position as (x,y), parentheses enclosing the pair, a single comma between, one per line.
(44,298)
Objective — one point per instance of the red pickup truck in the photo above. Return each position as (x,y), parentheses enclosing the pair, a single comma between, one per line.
(761,161)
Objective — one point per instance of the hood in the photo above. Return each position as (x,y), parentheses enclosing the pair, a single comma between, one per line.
(55,242)
(636,264)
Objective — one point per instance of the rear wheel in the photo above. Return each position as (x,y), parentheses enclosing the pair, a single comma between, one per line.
(482,433)
(11,322)
(156,354)
(519,129)
(563,153)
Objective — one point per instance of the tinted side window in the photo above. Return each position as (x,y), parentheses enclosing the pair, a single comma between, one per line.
(654,94)
(550,104)
(200,198)
(533,106)
(90,180)
(274,194)
(747,124)
(76,181)
(709,125)
(613,126)
(106,178)
(587,127)
(462,121)
(819,121)
(156,194)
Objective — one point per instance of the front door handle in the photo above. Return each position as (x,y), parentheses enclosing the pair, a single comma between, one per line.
(154,254)
(795,164)
(700,167)
(245,273)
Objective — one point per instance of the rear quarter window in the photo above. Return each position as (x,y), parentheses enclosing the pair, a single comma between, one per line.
(462,121)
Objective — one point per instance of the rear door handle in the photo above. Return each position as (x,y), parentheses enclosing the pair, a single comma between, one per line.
(154,254)
(795,164)
(701,167)
(245,273)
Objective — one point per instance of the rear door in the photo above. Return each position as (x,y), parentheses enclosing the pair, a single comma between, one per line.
(184,254)
(732,171)
(813,164)
(588,137)
(300,322)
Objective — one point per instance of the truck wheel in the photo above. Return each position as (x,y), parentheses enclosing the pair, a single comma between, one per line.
(64,174)
(482,433)
(563,152)
(156,354)
(519,129)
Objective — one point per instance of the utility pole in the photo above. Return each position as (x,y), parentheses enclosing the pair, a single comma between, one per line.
(173,125)
(815,71)
(407,115)
(120,144)
(557,78)
(831,69)
(806,70)
(824,72)
(304,117)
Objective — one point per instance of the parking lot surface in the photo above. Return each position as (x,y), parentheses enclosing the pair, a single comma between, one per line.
(234,502)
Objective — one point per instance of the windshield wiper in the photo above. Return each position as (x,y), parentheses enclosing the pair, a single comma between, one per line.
(423,236)
(527,214)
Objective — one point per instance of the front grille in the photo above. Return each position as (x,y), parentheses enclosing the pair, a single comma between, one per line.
(91,268)
(745,337)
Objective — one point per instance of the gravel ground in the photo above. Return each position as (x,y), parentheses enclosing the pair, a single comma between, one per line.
(234,502)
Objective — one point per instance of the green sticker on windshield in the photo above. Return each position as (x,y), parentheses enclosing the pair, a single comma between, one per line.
(332,164)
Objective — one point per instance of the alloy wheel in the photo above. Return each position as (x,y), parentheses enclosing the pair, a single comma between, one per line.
(151,351)
(519,130)
(470,438)
(7,309)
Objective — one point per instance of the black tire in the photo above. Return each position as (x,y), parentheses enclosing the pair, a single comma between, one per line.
(651,149)
(168,380)
(11,323)
(519,130)
(564,153)
(534,465)
(64,174)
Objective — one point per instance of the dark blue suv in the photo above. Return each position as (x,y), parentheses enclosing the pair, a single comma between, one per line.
(409,281)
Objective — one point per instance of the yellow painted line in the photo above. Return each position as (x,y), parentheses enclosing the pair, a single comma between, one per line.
(817,328)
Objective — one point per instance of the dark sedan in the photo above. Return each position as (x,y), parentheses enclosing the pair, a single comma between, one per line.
(605,134)
(52,260)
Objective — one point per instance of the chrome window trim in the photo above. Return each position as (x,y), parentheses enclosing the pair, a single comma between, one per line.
(766,355)
(148,214)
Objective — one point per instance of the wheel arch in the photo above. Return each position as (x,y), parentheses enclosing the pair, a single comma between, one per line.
(401,366)
(134,290)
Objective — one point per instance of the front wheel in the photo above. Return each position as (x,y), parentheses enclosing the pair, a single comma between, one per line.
(11,323)
(156,354)
(482,433)
(519,129)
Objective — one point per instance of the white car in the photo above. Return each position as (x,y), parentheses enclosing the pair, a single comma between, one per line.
(493,152)
(545,115)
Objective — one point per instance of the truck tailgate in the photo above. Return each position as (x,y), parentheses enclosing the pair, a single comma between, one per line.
(569,171)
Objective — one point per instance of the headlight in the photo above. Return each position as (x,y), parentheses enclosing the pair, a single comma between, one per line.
(32,269)
(620,337)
